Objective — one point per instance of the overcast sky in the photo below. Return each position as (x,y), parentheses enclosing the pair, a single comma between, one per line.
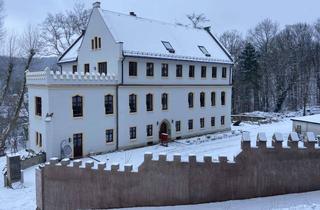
(223,14)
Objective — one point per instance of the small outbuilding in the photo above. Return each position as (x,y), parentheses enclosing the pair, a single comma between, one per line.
(305,124)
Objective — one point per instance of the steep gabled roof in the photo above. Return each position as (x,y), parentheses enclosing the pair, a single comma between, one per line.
(144,37)
(71,54)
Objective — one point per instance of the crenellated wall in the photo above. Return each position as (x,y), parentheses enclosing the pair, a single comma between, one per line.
(256,171)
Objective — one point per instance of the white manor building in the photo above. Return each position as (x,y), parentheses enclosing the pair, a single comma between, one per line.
(126,80)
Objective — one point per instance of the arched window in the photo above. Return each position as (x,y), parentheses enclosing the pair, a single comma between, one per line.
(202,99)
(190,99)
(164,101)
(213,98)
(77,106)
(149,102)
(108,104)
(133,103)
(223,98)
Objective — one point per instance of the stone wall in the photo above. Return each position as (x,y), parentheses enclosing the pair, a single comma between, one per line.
(32,160)
(256,171)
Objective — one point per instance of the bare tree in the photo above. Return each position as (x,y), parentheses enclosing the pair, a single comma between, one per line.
(197,20)
(60,30)
(30,45)
(2,32)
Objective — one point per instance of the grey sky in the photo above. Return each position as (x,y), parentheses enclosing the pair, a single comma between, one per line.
(224,14)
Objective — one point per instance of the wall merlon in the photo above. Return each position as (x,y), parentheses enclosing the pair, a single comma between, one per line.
(128,167)
(65,162)
(77,163)
(223,159)
(310,137)
(192,158)
(162,157)
(148,156)
(207,158)
(115,167)
(53,161)
(293,137)
(177,158)
(89,164)
(102,166)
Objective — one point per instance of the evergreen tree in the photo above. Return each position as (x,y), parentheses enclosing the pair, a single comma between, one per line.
(250,77)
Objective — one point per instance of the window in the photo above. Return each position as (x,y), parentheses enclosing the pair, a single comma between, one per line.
(133,66)
(298,129)
(96,43)
(213,98)
(77,106)
(150,70)
(99,43)
(164,101)
(201,122)
(38,139)
(149,130)
(164,70)
(191,71)
(222,120)
(133,103)
(74,69)
(190,100)
(133,132)
(202,99)
(149,102)
(203,71)
(86,68)
(214,72)
(223,98)
(204,51)
(102,68)
(38,106)
(108,104)
(190,124)
(168,46)
(224,72)
(213,121)
(179,71)
(109,135)
(178,126)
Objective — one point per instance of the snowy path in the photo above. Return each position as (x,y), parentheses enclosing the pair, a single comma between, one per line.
(228,145)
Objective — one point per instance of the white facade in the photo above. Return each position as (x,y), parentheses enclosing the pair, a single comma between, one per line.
(57,123)
(305,124)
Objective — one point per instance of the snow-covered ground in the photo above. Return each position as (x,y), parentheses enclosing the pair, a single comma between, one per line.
(224,144)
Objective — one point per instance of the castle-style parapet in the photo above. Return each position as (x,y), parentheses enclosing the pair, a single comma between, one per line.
(48,77)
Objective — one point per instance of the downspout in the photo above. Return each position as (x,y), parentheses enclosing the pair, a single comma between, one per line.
(117,100)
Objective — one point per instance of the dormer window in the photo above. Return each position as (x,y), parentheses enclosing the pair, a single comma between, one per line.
(204,51)
(168,46)
(96,43)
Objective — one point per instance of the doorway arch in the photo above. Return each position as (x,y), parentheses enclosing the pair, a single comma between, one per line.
(165,127)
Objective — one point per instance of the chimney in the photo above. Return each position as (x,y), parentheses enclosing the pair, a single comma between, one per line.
(96,4)
(132,14)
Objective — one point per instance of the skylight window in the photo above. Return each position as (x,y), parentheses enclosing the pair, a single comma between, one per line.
(168,46)
(204,51)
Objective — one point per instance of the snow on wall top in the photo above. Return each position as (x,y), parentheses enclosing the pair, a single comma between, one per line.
(311,119)
(143,37)
(71,54)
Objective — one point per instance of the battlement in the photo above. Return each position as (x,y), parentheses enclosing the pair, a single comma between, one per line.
(162,180)
(48,77)
(277,140)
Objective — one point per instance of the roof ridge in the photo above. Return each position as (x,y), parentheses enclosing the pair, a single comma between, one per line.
(153,20)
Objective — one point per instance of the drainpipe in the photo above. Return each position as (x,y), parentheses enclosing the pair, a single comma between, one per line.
(117,100)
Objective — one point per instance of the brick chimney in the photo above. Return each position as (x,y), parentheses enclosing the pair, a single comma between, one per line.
(96,4)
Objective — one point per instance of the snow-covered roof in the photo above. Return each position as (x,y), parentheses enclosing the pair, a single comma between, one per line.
(71,54)
(311,119)
(144,37)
